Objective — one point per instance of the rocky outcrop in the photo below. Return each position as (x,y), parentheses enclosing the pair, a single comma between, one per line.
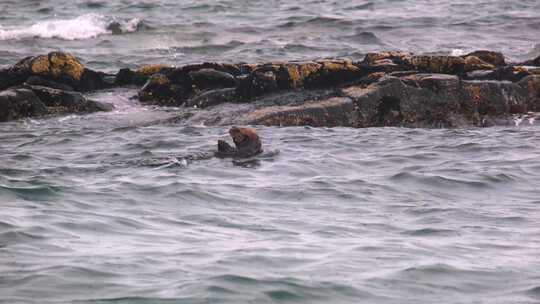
(332,112)
(20,103)
(55,67)
(384,89)
(64,102)
(437,100)
(35,101)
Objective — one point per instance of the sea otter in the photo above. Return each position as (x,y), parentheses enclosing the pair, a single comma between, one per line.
(246,140)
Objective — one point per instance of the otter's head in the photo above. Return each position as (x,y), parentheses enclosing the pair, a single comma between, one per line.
(237,135)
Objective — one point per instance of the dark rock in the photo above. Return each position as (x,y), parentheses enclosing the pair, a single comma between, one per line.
(438,64)
(490,57)
(473,63)
(92,81)
(212,98)
(435,100)
(531,85)
(63,102)
(506,73)
(388,61)
(40,81)
(256,84)
(58,67)
(211,79)
(332,112)
(20,103)
(6,80)
(159,90)
(124,77)
(140,76)
(533,62)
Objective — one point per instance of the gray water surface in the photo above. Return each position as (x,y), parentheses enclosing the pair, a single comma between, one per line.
(381,215)
(111,208)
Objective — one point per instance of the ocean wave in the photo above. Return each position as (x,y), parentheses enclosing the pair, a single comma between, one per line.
(82,27)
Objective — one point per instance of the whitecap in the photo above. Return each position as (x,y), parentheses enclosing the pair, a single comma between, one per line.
(457,52)
(83,27)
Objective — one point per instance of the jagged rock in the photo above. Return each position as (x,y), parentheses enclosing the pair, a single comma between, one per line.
(175,86)
(6,80)
(40,81)
(58,67)
(490,57)
(63,102)
(294,76)
(531,84)
(331,112)
(210,79)
(388,62)
(435,100)
(141,75)
(256,84)
(159,90)
(533,62)
(438,64)
(212,98)
(20,103)
(473,63)
(505,73)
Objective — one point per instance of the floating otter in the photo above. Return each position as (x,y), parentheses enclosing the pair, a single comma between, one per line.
(246,140)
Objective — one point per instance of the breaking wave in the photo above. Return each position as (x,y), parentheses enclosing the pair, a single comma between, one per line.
(83,27)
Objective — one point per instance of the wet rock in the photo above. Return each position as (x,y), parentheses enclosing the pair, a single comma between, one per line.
(6,80)
(438,64)
(331,112)
(533,62)
(40,81)
(64,102)
(490,57)
(295,76)
(140,76)
(58,67)
(210,79)
(20,103)
(473,63)
(388,61)
(493,99)
(531,84)
(506,73)
(335,72)
(435,100)
(256,84)
(212,98)
(159,90)
(175,86)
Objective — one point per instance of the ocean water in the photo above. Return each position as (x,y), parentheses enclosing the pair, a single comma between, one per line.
(180,32)
(116,208)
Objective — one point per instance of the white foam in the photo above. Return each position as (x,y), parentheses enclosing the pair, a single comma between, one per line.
(457,52)
(83,27)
